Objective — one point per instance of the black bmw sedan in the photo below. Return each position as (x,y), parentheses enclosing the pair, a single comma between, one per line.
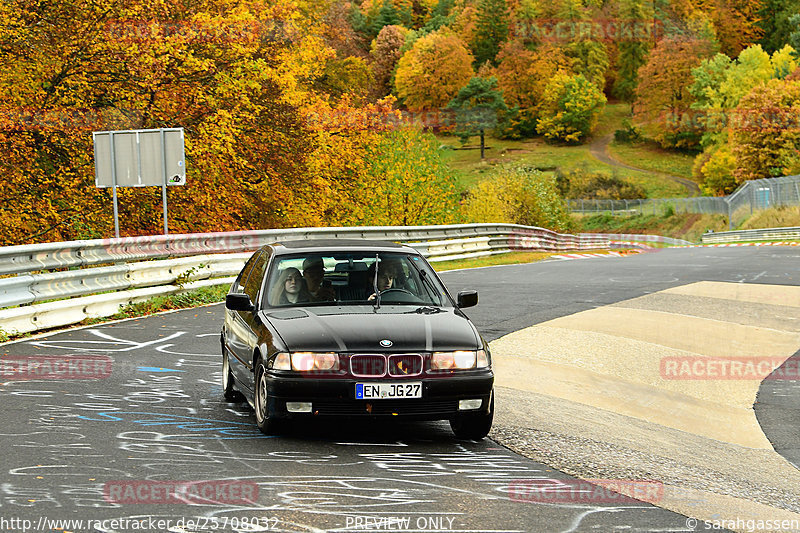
(351,328)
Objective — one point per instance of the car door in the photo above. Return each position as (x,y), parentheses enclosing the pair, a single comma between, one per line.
(242,325)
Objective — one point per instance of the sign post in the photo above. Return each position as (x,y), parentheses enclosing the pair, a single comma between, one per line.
(139,158)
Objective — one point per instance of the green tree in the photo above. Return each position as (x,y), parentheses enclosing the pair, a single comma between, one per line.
(476,106)
(407,182)
(491,31)
(794,36)
(387,16)
(441,15)
(632,50)
(570,108)
(774,19)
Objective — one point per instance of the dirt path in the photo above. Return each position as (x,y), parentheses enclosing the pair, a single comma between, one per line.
(599,150)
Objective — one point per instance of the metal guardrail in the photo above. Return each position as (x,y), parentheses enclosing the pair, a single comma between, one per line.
(57,284)
(641,238)
(769,234)
(50,256)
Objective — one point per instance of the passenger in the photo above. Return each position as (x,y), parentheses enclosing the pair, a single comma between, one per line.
(314,274)
(290,288)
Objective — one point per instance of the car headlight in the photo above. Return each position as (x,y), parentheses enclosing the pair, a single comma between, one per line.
(459,360)
(311,361)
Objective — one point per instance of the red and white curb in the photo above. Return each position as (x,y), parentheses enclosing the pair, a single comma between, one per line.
(589,255)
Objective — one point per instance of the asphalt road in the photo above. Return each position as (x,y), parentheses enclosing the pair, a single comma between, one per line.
(110,448)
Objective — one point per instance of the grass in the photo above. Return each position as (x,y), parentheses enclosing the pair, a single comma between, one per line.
(492,260)
(689,227)
(777,217)
(650,156)
(470,169)
(157,304)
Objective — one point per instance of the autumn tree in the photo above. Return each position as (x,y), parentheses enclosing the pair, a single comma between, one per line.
(570,108)
(234,76)
(523,76)
(339,32)
(351,76)
(517,194)
(385,52)
(765,131)
(715,168)
(662,106)
(431,73)
(476,106)
(491,30)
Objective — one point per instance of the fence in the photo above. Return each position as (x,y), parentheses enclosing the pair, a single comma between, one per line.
(56,284)
(751,196)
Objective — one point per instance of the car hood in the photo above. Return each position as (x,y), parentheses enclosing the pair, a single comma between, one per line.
(359,330)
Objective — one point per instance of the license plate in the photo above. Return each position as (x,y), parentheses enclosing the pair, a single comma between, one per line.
(385,391)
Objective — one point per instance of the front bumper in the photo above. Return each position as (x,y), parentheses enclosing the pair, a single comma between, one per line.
(332,397)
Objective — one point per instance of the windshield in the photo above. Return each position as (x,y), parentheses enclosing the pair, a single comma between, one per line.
(351,278)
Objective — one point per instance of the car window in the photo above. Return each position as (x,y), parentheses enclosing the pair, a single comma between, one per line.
(238,285)
(256,276)
(350,278)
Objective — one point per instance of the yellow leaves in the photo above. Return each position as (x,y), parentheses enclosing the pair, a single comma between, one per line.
(431,73)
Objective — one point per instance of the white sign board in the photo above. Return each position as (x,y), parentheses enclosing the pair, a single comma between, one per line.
(139,158)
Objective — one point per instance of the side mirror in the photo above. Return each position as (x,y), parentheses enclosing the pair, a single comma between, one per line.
(467,299)
(239,302)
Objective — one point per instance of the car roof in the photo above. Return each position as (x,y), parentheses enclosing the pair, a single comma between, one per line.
(339,245)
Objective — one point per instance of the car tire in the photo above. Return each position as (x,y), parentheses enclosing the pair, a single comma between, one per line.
(228,384)
(473,426)
(264,406)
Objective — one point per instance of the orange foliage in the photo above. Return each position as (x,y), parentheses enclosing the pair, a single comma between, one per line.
(662,105)
(523,74)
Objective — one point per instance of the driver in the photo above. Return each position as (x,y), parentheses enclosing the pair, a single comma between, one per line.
(387,274)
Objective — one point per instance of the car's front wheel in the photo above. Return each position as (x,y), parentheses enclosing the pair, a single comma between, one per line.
(473,426)
(265,417)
